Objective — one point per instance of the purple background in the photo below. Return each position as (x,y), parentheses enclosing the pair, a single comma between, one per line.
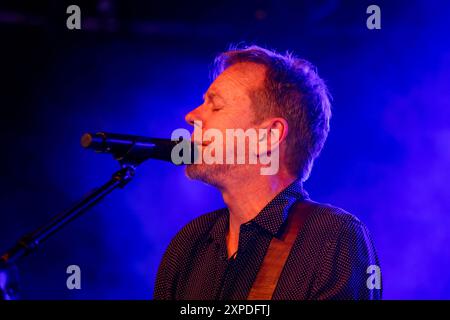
(387,159)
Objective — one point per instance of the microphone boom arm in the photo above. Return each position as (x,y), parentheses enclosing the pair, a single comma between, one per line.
(129,158)
(31,241)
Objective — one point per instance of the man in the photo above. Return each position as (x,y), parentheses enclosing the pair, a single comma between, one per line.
(220,255)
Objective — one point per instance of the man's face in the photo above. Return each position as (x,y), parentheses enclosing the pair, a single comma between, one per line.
(227,105)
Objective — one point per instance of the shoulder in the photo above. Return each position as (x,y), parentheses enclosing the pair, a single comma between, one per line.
(345,252)
(178,252)
(331,218)
(192,233)
(335,225)
(340,231)
(331,256)
(199,227)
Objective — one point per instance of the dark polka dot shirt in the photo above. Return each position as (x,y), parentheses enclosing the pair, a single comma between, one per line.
(331,258)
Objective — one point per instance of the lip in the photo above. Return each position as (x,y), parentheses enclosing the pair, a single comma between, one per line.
(202,143)
(206,143)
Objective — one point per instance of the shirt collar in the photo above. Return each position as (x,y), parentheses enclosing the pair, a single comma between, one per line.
(271,217)
(219,228)
(275,213)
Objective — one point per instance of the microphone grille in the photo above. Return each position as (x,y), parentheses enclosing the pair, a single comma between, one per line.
(86,140)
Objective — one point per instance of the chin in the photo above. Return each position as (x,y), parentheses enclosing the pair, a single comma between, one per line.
(213,175)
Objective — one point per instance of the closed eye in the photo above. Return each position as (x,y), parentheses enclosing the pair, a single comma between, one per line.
(216,108)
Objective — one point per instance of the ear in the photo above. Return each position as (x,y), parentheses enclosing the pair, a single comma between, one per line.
(270,135)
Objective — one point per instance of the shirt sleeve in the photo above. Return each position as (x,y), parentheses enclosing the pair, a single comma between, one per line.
(350,270)
(166,276)
(172,263)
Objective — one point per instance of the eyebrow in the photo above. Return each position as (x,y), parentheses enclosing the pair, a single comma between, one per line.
(212,95)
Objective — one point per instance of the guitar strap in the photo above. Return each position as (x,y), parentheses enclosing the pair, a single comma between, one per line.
(278,252)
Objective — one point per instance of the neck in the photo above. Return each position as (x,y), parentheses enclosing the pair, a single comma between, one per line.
(246,198)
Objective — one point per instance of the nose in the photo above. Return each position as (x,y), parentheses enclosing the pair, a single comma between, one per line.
(192,116)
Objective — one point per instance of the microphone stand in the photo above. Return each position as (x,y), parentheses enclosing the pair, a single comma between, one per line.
(29,242)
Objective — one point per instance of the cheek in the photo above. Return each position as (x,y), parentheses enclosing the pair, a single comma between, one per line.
(219,121)
(228,119)
(234,119)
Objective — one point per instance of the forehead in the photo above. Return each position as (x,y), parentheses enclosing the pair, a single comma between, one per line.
(241,77)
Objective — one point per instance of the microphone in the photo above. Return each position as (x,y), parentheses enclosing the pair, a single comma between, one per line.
(136,149)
